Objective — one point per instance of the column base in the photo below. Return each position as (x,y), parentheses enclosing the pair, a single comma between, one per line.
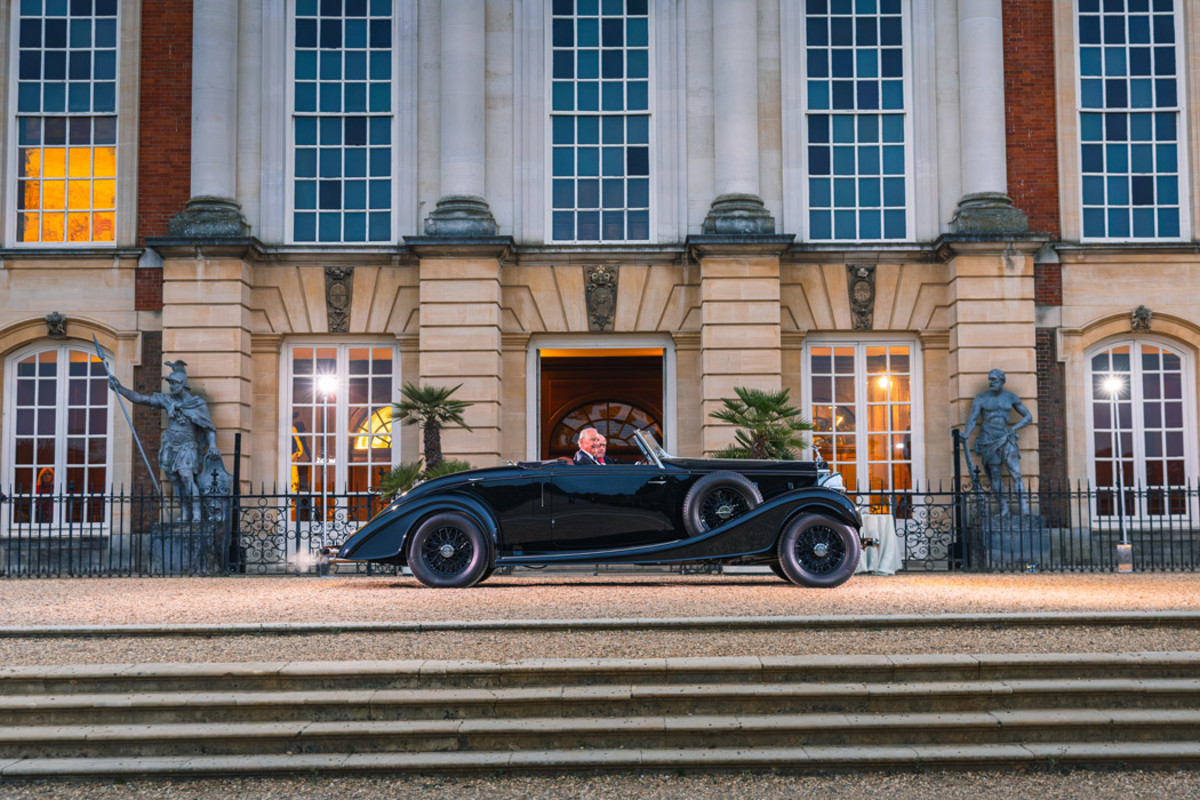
(459,215)
(739,215)
(209,218)
(988,212)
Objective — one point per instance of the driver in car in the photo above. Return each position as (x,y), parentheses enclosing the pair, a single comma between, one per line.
(592,447)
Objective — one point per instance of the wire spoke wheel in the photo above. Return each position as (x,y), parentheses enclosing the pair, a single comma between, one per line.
(448,550)
(722,505)
(818,551)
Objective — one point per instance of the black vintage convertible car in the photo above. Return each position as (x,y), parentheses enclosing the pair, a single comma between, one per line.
(454,531)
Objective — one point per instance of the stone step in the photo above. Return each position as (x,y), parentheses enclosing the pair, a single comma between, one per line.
(322,675)
(1058,755)
(794,731)
(604,700)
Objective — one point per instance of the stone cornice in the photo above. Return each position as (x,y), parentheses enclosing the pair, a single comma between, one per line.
(252,250)
(499,248)
(948,246)
(614,255)
(727,246)
(67,253)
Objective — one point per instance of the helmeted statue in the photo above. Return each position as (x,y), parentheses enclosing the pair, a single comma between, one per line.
(189,441)
(996,443)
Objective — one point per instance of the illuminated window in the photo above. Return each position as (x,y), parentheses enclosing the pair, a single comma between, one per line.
(616,421)
(856,108)
(861,406)
(1130,99)
(58,434)
(600,121)
(66,121)
(342,126)
(340,436)
(1146,440)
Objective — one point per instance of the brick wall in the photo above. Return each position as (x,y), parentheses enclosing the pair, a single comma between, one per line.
(165,111)
(1051,422)
(147,421)
(1030,118)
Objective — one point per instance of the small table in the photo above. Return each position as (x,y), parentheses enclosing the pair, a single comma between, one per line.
(884,558)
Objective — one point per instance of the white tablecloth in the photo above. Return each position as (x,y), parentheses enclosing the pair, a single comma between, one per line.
(884,558)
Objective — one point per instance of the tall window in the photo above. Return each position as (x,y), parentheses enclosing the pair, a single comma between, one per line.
(855,103)
(861,406)
(600,121)
(1129,119)
(342,126)
(1145,439)
(58,439)
(340,435)
(66,121)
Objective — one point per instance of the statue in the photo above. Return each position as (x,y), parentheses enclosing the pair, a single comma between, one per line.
(189,445)
(996,443)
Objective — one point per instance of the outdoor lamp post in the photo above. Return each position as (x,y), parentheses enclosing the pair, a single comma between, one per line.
(326,386)
(1113,386)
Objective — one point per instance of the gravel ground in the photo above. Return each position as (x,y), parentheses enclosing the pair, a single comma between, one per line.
(631,596)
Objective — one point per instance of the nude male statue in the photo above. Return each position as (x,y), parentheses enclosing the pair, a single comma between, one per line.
(996,443)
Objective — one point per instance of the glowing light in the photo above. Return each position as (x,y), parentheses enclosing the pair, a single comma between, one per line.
(884,381)
(1113,385)
(326,384)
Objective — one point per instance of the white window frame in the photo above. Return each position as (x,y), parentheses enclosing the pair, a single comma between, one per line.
(547,156)
(1182,116)
(916,398)
(1188,379)
(7,454)
(919,100)
(128,57)
(341,411)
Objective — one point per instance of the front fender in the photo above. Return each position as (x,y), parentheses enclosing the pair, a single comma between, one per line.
(384,537)
(833,503)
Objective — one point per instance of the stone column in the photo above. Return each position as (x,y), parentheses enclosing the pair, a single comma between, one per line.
(738,209)
(213,210)
(985,206)
(460,338)
(740,334)
(462,209)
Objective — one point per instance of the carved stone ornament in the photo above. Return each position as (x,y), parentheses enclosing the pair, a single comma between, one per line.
(56,325)
(860,283)
(601,288)
(339,291)
(1139,319)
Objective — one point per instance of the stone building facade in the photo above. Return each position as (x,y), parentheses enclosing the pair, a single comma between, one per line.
(605,211)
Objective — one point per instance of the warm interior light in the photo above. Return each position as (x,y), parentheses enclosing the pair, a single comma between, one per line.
(326,384)
(378,428)
(884,381)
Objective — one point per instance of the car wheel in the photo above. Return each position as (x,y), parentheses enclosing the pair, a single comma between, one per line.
(450,551)
(717,498)
(818,551)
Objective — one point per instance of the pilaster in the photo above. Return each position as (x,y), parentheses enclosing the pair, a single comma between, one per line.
(740,335)
(460,336)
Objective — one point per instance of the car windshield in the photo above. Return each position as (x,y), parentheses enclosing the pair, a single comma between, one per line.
(651,449)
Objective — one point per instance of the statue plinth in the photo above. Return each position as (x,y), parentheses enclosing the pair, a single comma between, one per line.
(187,548)
(1016,539)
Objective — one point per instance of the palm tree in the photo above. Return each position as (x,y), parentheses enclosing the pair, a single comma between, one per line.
(767,426)
(431,408)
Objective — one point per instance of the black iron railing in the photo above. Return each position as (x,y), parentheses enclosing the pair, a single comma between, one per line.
(965,527)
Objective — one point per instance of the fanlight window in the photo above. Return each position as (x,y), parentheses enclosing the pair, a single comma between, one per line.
(614,419)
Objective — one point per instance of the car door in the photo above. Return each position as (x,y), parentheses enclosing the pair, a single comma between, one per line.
(612,506)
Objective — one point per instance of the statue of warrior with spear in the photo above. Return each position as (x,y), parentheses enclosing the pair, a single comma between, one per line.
(189,440)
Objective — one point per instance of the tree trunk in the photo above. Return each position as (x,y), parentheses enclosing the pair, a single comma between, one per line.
(433,445)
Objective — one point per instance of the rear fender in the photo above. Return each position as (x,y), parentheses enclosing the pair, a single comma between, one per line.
(384,537)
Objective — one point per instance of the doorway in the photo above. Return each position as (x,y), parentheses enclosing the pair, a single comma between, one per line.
(616,391)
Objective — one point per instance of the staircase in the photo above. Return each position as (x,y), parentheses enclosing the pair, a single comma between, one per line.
(705,714)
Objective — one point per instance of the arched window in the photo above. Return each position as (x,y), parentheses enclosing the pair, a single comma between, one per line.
(57,435)
(616,420)
(1140,425)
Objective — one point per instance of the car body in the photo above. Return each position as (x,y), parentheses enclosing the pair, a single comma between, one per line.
(453,531)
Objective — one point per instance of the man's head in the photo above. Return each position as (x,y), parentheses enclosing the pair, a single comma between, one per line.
(177,379)
(996,379)
(589,442)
